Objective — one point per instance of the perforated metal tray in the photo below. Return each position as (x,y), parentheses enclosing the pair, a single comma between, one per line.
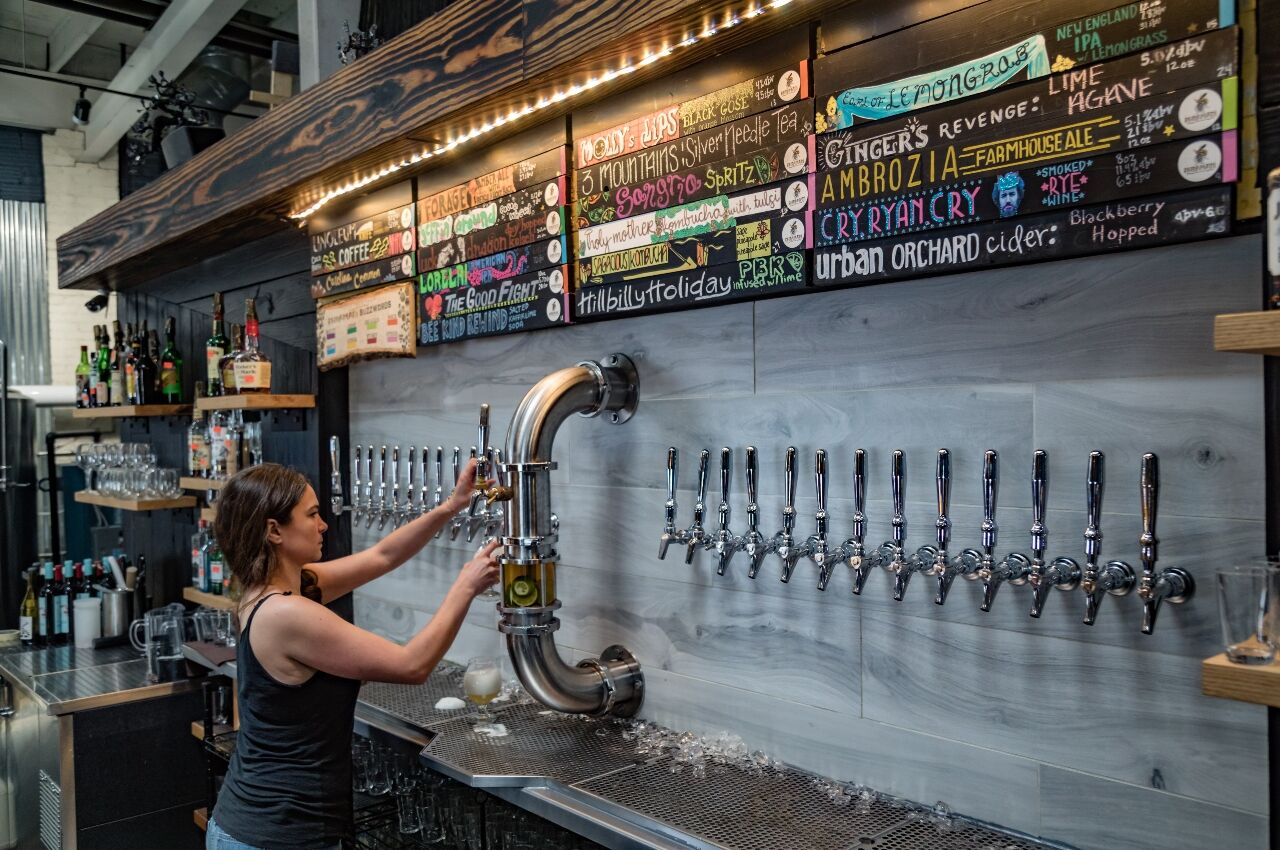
(735,810)
(415,704)
(541,745)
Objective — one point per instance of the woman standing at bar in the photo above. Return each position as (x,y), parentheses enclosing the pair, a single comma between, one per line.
(299,665)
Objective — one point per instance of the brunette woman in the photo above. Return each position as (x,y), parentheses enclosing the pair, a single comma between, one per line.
(299,665)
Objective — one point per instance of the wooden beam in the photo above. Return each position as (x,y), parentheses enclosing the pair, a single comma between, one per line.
(472,60)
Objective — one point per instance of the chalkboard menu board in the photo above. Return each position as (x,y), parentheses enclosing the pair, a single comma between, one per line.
(705,201)
(492,255)
(368,240)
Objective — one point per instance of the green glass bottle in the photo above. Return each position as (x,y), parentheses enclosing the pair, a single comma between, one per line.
(105,385)
(82,378)
(170,366)
(215,348)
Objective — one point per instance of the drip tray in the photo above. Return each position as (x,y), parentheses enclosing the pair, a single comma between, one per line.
(415,704)
(540,745)
(736,810)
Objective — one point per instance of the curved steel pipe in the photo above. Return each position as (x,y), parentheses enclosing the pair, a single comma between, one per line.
(612,683)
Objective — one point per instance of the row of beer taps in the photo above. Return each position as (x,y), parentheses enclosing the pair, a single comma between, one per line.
(936,560)
(383,495)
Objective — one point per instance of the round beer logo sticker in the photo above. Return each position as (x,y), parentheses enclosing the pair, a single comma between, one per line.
(1200,110)
(406,265)
(793,233)
(406,217)
(795,159)
(554,250)
(553,222)
(553,310)
(406,240)
(555,281)
(789,85)
(797,196)
(552,194)
(1200,160)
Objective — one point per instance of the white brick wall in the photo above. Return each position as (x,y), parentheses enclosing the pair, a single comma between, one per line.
(74,192)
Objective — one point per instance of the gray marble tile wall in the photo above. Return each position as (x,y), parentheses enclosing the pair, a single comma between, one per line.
(1099,736)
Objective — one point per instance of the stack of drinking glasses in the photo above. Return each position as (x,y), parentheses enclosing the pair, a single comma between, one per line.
(215,626)
(1250,631)
(126,471)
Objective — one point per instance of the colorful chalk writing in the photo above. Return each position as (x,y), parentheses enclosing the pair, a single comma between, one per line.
(1111,177)
(1078,93)
(1063,233)
(386,270)
(751,278)
(493,185)
(384,235)
(527,302)
(500,266)
(1139,25)
(730,175)
(525,203)
(793,122)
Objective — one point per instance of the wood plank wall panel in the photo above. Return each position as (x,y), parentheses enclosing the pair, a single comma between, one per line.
(834,682)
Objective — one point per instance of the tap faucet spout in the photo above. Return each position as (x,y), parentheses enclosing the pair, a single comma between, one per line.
(335,477)
(670,533)
(816,547)
(784,542)
(695,536)
(1013,567)
(459,519)
(931,560)
(1115,577)
(970,562)
(855,555)
(381,509)
(753,542)
(724,542)
(392,511)
(1172,584)
(1062,573)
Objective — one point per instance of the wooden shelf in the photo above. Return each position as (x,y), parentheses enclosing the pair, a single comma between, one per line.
(193,482)
(135,504)
(208,514)
(1248,333)
(258,401)
(201,817)
(197,729)
(1257,683)
(127,410)
(210,600)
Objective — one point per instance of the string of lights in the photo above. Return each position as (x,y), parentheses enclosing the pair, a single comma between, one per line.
(756,9)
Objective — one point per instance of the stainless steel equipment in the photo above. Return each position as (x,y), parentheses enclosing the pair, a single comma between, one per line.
(18,493)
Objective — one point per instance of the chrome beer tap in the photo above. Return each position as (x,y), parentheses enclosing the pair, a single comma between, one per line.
(335,478)
(393,507)
(753,542)
(382,489)
(459,519)
(815,547)
(407,508)
(357,506)
(1172,584)
(1116,577)
(695,536)
(478,516)
(890,556)
(784,544)
(670,533)
(930,560)
(368,486)
(724,542)
(1062,573)
(856,557)
(970,562)
(1015,565)
(424,479)
(499,473)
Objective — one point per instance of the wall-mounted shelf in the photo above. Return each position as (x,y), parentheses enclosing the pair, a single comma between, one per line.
(211,600)
(1257,683)
(1248,333)
(135,504)
(193,482)
(258,401)
(129,410)
(208,514)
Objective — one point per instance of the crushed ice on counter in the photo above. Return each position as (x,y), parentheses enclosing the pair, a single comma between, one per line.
(493,730)
(450,704)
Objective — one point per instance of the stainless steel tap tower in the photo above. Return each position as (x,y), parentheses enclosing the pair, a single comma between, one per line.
(611,684)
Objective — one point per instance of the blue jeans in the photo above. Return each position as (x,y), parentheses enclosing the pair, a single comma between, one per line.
(215,838)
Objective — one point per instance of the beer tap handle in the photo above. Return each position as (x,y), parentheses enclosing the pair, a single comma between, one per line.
(1093,510)
(368,486)
(357,507)
(382,488)
(990,490)
(696,536)
(410,491)
(1172,584)
(475,516)
(424,479)
(753,488)
(1114,577)
(335,477)
(669,530)
(789,483)
(944,501)
(859,495)
(897,482)
(459,519)
(438,499)
(1149,493)
(1039,500)
(724,541)
(395,483)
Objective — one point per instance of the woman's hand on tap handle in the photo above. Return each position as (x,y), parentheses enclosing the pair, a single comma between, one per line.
(464,489)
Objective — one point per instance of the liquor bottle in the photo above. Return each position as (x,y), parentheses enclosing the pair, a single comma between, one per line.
(144,372)
(253,368)
(170,366)
(199,459)
(215,348)
(59,627)
(141,592)
(105,386)
(117,366)
(153,355)
(44,607)
(131,368)
(95,377)
(227,365)
(82,378)
(213,558)
(79,585)
(69,591)
(27,614)
(96,578)
(199,575)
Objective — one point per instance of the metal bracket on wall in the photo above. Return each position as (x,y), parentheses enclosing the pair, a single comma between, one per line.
(289,420)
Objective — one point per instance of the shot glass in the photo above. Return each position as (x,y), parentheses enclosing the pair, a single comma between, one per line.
(1245,608)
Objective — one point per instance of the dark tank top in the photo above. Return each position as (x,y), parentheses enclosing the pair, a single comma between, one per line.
(289,782)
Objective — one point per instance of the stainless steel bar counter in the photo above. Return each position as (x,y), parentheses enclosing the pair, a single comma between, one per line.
(587,776)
